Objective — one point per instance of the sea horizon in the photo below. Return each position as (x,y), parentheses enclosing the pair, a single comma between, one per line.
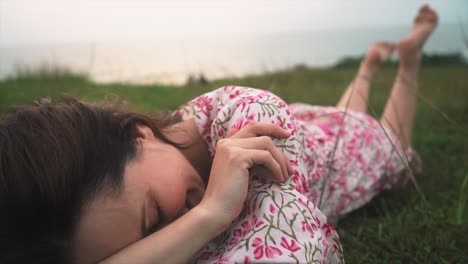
(171,60)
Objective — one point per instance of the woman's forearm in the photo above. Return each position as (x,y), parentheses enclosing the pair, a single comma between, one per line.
(175,243)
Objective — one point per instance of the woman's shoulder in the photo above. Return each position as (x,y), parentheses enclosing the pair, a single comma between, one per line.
(233,92)
(228,96)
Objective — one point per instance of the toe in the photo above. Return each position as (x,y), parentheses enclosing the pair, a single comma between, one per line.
(424,8)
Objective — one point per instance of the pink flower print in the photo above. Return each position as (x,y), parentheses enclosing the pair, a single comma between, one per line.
(204,103)
(272,209)
(220,132)
(258,245)
(337,243)
(326,245)
(251,99)
(295,179)
(281,104)
(234,95)
(257,242)
(206,128)
(362,191)
(293,247)
(251,117)
(338,117)
(222,260)
(328,228)
(315,197)
(238,232)
(298,188)
(292,127)
(316,220)
(234,241)
(319,173)
(301,201)
(305,184)
(341,204)
(241,122)
(310,115)
(280,121)
(268,251)
(306,227)
(255,223)
(271,251)
(314,227)
(244,102)
(246,226)
(258,252)
(367,137)
(246,260)
(310,143)
(238,235)
(260,95)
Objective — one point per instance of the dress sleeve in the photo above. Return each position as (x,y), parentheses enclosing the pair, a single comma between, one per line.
(278,223)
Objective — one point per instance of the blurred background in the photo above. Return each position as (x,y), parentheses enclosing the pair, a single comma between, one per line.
(156,55)
(147,41)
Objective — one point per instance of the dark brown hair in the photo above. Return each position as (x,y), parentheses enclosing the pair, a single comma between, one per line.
(53,160)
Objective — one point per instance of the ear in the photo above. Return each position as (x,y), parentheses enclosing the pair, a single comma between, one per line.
(143,133)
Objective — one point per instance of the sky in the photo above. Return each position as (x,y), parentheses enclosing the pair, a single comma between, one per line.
(57,21)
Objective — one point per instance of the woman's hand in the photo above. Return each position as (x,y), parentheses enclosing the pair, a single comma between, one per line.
(235,156)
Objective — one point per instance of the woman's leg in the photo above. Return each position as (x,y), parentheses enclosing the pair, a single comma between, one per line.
(401,106)
(356,95)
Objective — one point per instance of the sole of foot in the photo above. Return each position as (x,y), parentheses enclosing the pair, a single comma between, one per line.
(410,48)
(377,54)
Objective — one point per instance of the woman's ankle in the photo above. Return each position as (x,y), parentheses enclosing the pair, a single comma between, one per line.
(365,72)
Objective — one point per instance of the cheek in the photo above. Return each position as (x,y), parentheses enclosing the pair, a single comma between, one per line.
(170,191)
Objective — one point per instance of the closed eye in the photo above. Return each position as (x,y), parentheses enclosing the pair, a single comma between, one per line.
(154,218)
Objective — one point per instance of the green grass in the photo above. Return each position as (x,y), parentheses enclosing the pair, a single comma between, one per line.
(397,227)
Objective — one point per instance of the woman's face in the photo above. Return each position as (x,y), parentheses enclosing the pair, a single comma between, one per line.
(159,186)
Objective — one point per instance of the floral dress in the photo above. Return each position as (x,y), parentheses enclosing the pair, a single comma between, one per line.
(341,159)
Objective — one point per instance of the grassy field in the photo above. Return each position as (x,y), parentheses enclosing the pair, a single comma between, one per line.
(400,226)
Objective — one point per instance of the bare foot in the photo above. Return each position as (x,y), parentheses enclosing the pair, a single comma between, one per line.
(378,53)
(410,48)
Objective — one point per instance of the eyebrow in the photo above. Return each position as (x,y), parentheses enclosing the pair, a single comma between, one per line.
(143,220)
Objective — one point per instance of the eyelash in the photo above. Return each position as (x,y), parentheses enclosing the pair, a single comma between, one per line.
(155,227)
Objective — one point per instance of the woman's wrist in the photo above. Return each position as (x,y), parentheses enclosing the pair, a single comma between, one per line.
(199,224)
(216,221)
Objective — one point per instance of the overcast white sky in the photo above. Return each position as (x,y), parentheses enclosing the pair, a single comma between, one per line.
(46,21)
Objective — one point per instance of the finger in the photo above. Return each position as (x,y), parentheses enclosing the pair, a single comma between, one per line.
(279,157)
(265,143)
(288,164)
(255,129)
(264,158)
(231,132)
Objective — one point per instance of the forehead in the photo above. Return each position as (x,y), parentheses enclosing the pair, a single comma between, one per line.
(108,224)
